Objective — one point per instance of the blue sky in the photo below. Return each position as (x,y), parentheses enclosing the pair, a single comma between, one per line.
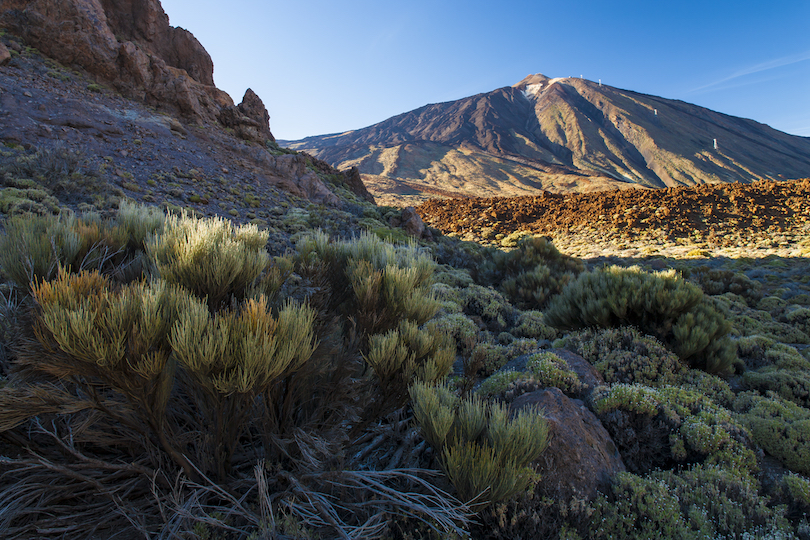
(329,66)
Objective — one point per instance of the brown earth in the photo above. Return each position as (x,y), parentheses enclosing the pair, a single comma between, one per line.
(717,211)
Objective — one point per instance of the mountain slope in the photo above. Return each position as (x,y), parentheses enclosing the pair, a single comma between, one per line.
(558,135)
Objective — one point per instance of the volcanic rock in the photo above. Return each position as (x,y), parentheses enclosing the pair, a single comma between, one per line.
(127,43)
(355,184)
(581,456)
(5,55)
(410,221)
(249,120)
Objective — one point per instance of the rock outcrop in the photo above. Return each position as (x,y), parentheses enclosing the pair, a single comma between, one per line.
(131,45)
(5,55)
(580,456)
(249,120)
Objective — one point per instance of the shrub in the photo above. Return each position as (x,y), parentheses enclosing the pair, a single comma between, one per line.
(780,427)
(483,452)
(531,273)
(489,306)
(210,257)
(624,355)
(376,283)
(551,371)
(699,502)
(639,508)
(460,328)
(405,354)
(234,357)
(661,427)
(716,282)
(33,248)
(790,384)
(531,324)
(489,356)
(659,304)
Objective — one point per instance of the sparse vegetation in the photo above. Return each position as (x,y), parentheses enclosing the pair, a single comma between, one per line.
(189,376)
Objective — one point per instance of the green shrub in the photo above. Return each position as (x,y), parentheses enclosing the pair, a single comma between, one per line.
(498,383)
(662,427)
(34,247)
(699,502)
(531,324)
(489,306)
(551,371)
(376,283)
(489,356)
(234,357)
(460,328)
(484,453)
(781,427)
(790,384)
(210,257)
(405,354)
(639,508)
(624,355)
(659,304)
(139,221)
(716,282)
(531,273)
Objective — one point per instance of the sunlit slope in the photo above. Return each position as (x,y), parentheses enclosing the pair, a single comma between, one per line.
(558,135)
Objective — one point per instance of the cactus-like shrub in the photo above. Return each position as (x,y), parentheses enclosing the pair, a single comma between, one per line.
(375,283)
(212,258)
(235,356)
(780,427)
(625,355)
(405,354)
(484,453)
(660,304)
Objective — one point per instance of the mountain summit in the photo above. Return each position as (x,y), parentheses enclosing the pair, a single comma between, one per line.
(558,135)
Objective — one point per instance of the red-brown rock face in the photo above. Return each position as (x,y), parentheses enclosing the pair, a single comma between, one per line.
(130,44)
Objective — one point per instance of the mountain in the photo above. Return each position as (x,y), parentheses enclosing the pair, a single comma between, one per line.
(558,135)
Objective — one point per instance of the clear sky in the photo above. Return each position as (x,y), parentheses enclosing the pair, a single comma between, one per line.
(328,66)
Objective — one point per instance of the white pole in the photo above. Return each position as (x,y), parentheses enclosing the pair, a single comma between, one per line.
(600,83)
(715,144)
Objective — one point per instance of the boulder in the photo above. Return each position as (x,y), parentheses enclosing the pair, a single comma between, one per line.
(581,457)
(5,55)
(409,220)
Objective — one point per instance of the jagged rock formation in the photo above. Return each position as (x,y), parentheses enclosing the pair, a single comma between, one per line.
(131,45)
(250,120)
(558,135)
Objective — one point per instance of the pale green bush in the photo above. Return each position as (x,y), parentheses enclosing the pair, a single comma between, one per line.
(659,304)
